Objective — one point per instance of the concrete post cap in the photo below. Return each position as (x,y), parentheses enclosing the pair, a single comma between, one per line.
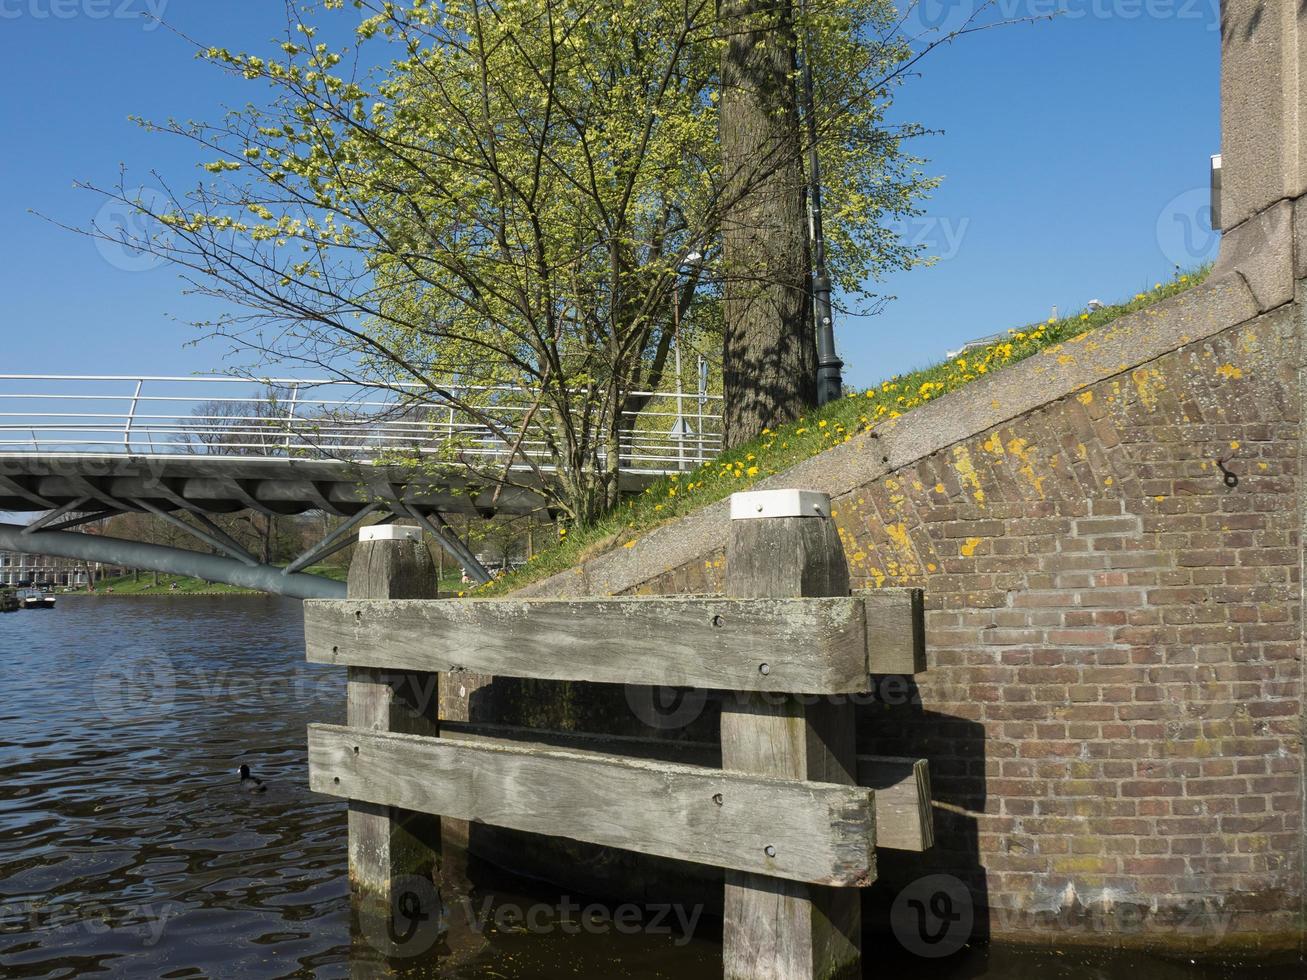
(754,504)
(390,532)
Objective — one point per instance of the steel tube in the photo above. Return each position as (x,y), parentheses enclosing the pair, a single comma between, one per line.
(171,561)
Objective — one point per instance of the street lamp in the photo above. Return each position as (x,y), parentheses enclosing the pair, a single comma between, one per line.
(830,383)
(681,428)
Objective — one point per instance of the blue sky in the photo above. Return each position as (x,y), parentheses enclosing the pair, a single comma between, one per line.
(1075,157)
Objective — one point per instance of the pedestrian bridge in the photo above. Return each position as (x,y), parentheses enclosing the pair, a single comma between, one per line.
(78,449)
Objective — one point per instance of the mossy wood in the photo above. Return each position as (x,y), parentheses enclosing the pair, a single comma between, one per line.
(693,813)
(779,645)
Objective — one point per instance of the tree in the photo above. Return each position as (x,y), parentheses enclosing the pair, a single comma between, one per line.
(499,220)
(769,355)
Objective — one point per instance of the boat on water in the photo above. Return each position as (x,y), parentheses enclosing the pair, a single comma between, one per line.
(35,599)
(8,601)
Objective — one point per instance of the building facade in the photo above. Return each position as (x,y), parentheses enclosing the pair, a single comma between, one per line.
(18,570)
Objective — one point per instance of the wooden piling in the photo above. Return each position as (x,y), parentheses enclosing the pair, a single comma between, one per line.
(784,544)
(387,843)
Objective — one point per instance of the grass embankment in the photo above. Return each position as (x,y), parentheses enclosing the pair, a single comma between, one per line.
(838,422)
(144,584)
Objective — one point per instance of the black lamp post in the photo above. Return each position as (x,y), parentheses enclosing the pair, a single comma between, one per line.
(830,382)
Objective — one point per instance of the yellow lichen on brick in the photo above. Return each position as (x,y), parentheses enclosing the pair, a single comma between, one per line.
(969,547)
(1147,381)
(1018,447)
(898,533)
(1229,372)
(993,444)
(967,472)
(1085,397)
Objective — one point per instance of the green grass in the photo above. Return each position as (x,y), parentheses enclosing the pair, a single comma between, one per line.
(774,452)
(144,584)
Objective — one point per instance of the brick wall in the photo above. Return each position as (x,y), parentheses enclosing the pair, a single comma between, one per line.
(1113,708)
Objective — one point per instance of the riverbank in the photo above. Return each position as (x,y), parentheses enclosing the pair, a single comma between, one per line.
(147,584)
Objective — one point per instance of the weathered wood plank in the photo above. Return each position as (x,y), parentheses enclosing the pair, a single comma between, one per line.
(815,832)
(772,929)
(904,818)
(789,645)
(896,631)
(387,844)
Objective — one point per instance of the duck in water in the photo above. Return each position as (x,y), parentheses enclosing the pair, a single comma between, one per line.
(250,783)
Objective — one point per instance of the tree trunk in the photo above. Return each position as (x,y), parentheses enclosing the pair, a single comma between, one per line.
(769,350)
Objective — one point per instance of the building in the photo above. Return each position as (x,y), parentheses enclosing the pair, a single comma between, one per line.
(17,569)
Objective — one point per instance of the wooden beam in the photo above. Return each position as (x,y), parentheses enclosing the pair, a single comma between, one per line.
(773,929)
(779,645)
(785,829)
(904,818)
(896,631)
(387,844)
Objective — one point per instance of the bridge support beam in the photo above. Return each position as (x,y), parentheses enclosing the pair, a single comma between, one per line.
(171,561)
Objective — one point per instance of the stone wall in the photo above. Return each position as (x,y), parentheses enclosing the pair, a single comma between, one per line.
(1113,707)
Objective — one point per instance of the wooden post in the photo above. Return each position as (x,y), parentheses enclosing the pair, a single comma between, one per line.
(784,544)
(387,844)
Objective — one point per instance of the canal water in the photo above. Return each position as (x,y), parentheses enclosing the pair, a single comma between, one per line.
(128,847)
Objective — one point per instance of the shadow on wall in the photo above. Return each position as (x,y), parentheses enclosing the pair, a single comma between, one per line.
(932,903)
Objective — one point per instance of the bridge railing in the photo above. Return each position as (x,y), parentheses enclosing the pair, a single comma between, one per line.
(116,415)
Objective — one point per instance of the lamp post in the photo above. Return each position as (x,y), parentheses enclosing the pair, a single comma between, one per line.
(681,429)
(830,383)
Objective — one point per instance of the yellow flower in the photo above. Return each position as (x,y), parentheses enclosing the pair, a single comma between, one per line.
(821,424)
(799,432)
(1084,316)
(629,544)
(752,471)
(671,491)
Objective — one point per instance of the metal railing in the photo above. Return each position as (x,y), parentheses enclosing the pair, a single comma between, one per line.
(296,418)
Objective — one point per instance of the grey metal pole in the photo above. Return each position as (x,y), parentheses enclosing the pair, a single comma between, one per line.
(830,381)
(173,561)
